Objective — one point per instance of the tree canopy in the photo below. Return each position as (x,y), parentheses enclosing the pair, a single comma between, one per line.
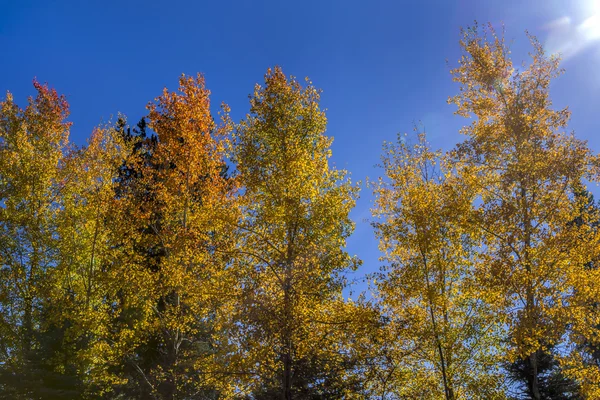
(196,257)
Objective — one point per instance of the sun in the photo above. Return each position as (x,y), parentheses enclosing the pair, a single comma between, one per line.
(591,25)
(590,9)
(593,6)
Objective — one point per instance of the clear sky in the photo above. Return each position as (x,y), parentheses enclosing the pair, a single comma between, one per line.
(382,64)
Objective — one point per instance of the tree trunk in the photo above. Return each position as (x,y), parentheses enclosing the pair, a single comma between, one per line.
(534,386)
(287,377)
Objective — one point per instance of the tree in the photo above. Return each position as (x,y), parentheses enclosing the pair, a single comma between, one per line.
(584,333)
(443,339)
(525,166)
(91,270)
(31,154)
(176,198)
(291,256)
(553,384)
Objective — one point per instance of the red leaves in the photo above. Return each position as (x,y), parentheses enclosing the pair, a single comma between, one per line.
(50,104)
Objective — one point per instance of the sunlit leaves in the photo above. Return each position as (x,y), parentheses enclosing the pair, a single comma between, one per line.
(526,168)
(446,344)
(295,222)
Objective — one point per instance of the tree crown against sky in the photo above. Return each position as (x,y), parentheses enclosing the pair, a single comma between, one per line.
(194,255)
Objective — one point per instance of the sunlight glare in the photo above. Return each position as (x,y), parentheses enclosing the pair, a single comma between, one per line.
(590,27)
(571,34)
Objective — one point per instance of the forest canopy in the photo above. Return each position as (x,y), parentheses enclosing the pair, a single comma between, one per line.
(191,256)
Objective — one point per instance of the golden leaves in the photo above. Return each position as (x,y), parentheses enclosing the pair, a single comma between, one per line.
(293,229)
(159,274)
(428,292)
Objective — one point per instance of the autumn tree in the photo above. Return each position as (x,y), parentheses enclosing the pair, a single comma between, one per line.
(525,166)
(88,279)
(32,141)
(291,256)
(584,360)
(553,382)
(177,194)
(442,340)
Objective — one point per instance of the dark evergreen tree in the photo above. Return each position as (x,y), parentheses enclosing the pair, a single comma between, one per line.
(553,384)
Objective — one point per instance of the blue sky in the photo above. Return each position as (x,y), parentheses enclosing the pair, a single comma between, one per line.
(381,64)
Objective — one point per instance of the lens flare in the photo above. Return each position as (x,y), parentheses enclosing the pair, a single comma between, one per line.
(571,34)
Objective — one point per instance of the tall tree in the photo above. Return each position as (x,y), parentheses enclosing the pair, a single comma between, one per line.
(31,152)
(177,199)
(444,341)
(584,361)
(91,269)
(554,384)
(525,166)
(291,254)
